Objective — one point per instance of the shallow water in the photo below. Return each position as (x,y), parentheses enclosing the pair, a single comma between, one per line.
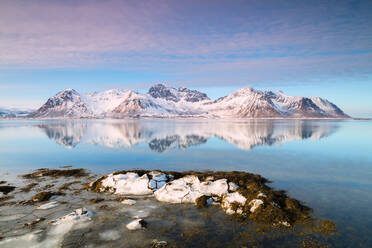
(326,164)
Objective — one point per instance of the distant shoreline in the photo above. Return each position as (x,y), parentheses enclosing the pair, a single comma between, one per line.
(188,118)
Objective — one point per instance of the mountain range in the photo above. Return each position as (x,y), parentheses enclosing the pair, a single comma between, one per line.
(168,102)
(13,112)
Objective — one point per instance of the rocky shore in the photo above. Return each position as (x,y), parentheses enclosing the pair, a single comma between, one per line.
(140,208)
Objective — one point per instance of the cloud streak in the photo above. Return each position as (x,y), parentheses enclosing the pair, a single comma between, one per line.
(259,40)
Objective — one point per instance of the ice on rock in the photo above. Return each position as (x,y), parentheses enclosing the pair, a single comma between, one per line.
(158,180)
(255,203)
(136,224)
(210,201)
(80,214)
(53,237)
(129,183)
(233,186)
(261,195)
(129,202)
(183,190)
(48,205)
(188,188)
(230,199)
(285,223)
(218,187)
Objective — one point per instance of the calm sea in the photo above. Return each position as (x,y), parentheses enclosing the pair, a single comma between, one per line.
(327,164)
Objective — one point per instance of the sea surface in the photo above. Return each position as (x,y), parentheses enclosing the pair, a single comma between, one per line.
(326,164)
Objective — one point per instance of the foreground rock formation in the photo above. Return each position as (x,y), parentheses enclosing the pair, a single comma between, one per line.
(142,208)
(241,194)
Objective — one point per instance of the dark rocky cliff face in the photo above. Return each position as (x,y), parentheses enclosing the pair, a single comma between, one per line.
(172,94)
(161,91)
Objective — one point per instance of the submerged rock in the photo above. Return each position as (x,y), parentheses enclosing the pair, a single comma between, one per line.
(33,223)
(159,244)
(28,187)
(77,173)
(96,200)
(110,235)
(6,189)
(43,196)
(203,201)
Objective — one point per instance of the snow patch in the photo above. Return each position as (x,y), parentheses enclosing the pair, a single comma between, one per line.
(129,183)
(255,203)
(136,224)
(231,199)
(129,202)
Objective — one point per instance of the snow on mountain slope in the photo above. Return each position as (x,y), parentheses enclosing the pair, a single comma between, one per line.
(136,104)
(163,101)
(67,103)
(104,102)
(303,106)
(328,107)
(245,102)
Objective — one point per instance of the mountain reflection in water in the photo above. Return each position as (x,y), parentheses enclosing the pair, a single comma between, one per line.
(163,135)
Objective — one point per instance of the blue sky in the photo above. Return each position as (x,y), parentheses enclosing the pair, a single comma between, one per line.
(309,48)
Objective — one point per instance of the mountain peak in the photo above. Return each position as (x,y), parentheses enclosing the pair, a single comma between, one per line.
(246,90)
(68,90)
(176,95)
(164,92)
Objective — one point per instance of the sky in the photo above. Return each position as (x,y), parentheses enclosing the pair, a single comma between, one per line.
(304,48)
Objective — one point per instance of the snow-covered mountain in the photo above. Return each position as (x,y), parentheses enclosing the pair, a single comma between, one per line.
(163,101)
(13,112)
(67,103)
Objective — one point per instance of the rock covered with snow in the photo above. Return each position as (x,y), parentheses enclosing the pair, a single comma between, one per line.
(187,189)
(238,193)
(130,183)
(136,224)
(255,203)
(233,203)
